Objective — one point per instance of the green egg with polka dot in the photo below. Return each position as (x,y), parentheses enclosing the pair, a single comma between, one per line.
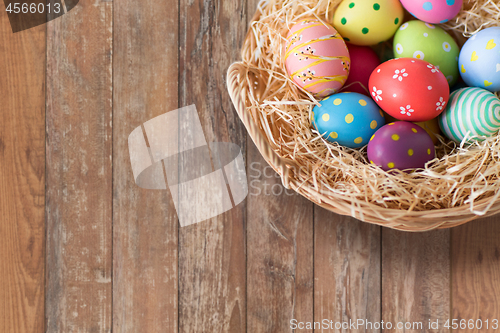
(368,22)
(349,119)
(424,41)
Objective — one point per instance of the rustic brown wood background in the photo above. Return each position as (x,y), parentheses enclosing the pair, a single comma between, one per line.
(83,249)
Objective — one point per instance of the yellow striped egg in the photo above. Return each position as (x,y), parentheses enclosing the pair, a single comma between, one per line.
(316,57)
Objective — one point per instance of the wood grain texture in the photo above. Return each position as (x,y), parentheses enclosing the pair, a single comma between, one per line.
(145,223)
(346,271)
(416,278)
(115,256)
(475,273)
(212,253)
(79,169)
(279,252)
(279,247)
(22,178)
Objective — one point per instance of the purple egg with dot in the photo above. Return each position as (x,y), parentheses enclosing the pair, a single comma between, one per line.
(401,145)
(433,11)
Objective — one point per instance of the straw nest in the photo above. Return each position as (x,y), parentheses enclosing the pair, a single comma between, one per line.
(461,184)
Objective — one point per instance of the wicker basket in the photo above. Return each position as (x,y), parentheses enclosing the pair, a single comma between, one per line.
(242,79)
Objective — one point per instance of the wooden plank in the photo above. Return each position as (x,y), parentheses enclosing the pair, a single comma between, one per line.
(79,169)
(212,253)
(475,252)
(346,264)
(279,252)
(416,279)
(347,272)
(22,178)
(279,247)
(145,225)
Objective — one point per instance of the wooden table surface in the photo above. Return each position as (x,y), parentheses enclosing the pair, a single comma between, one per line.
(83,249)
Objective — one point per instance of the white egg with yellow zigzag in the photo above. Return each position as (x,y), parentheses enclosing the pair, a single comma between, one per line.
(471,112)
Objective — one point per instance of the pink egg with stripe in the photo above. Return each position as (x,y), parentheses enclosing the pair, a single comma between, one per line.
(316,57)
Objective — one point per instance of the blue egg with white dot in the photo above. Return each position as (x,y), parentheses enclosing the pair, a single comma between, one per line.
(349,119)
(479,61)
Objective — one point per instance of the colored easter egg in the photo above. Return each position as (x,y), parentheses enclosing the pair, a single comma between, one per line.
(363,62)
(401,145)
(368,22)
(350,119)
(430,126)
(424,41)
(480,60)
(473,113)
(316,57)
(409,89)
(433,11)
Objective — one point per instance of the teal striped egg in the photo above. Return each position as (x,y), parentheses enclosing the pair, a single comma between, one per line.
(472,113)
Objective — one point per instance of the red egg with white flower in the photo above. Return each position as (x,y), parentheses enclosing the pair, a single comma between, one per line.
(410,89)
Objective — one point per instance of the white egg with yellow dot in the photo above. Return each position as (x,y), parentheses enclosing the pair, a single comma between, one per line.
(349,119)
(480,60)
